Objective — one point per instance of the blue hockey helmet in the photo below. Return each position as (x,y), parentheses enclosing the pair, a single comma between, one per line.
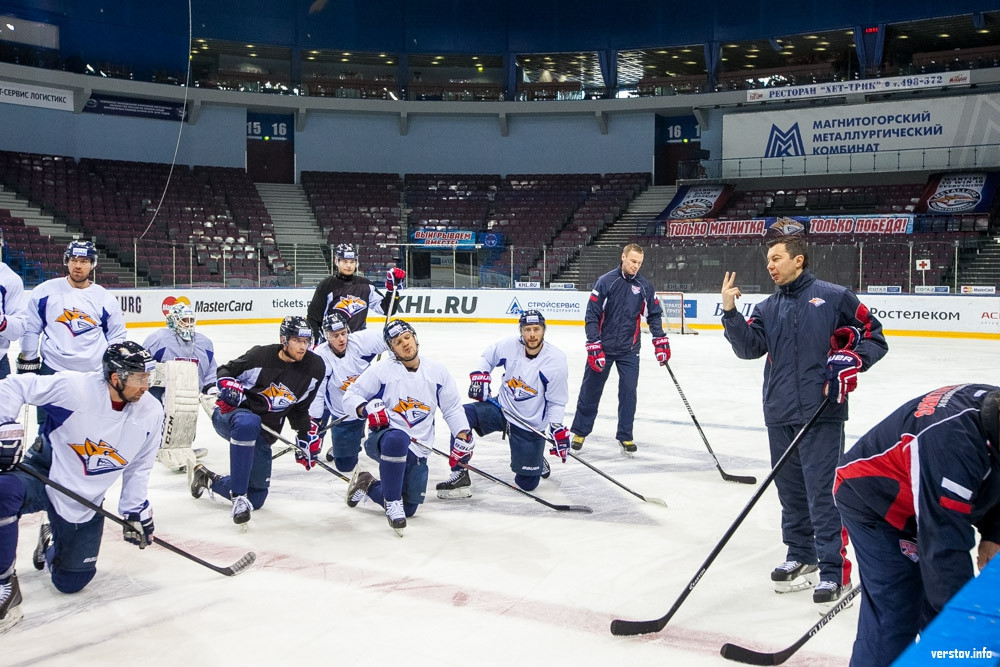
(334,321)
(531,317)
(295,326)
(396,328)
(81,249)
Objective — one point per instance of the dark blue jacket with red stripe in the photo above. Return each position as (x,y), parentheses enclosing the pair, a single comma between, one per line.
(793,328)
(931,470)
(615,311)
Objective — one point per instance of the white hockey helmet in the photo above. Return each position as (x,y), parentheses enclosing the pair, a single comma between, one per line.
(181,320)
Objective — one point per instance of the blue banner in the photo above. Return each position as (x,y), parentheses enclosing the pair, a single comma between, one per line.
(460,238)
(491,240)
(137,108)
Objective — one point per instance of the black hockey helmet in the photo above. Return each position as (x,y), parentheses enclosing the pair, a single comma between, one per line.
(396,328)
(124,358)
(531,317)
(81,249)
(347,251)
(334,321)
(295,326)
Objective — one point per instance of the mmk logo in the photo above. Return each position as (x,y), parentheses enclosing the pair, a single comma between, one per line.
(784,144)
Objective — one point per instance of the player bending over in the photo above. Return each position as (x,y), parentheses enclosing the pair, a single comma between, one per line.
(102,427)
(534,389)
(266,384)
(399,396)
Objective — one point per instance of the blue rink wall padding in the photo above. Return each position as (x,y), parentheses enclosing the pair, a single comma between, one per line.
(967,630)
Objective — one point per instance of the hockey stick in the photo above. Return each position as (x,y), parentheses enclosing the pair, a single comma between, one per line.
(321,464)
(619,627)
(238,567)
(392,309)
(739,479)
(751,657)
(649,499)
(558,508)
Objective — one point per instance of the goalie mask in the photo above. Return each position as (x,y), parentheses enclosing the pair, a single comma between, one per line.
(181,320)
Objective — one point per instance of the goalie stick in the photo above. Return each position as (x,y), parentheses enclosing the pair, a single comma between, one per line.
(240,566)
(751,657)
(739,479)
(620,627)
(649,499)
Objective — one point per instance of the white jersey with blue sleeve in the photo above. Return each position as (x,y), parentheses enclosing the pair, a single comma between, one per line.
(410,398)
(76,325)
(164,345)
(341,372)
(92,443)
(13,307)
(535,389)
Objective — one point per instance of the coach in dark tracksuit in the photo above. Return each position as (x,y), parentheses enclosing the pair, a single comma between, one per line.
(614,313)
(795,327)
(910,492)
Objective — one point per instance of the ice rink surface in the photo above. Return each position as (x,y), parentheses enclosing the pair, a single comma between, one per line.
(496,579)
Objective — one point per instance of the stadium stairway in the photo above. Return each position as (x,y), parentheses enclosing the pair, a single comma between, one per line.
(296,231)
(982,268)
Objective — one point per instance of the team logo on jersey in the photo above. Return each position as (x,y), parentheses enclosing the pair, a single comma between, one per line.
(636,289)
(519,390)
(278,397)
(412,411)
(350,304)
(817,302)
(98,457)
(348,382)
(77,321)
(909,549)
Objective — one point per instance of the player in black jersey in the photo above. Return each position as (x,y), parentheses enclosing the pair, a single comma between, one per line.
(350,293)
(265,385)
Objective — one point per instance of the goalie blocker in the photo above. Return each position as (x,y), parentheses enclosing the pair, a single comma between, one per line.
(180,406)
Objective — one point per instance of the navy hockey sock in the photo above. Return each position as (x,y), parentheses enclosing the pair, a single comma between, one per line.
(394,446)
(11,497)
(240,463)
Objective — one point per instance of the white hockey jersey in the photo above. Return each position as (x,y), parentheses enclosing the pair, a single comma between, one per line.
(75,325)
(92,444)
(410,398)
(536,390)
(13,306)
(341,372)
(165,345)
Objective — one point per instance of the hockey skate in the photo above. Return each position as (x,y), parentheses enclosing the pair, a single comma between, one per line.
(358,487)
(458,485)
(828,593)
(329,455)
(10,604)
(577,442)
(44,541)
(241,510)
(546,469)
(201,478)
(628,447)
(396,516)
(792,576)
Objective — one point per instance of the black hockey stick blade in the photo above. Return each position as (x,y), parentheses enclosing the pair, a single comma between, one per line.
(739,479)
(621,628)
(239,567)
(751,657)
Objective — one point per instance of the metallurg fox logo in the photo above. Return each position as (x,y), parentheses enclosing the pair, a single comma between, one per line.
(412,410)
(278,397)
(520,390)
(98,457)
(348,381)
(77,321)
(350,304)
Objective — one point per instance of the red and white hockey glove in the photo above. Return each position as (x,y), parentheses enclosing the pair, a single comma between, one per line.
(479,385)
(595,357)
(560,438)
(307,452)
(230,394)
(842,368)
(661,348)
(461,449)
(845,338)
(378,418)
(394,278)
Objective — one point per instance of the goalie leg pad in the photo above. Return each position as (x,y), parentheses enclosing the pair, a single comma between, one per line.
(180,405)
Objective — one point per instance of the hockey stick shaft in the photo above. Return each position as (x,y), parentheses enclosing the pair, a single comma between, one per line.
(739,479)
(240,566)
(649,499)
(751,657)
(558,508)
(295,447)
(620,627)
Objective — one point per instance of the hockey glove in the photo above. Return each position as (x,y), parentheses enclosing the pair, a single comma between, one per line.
(11,445)
(461,449)
(479,385)
(140,528)
(378,418)
(661,348)
(230,394)
(308,443)
(845,338)
(28,365)
(595,357)
(560,438)
(842,368)
(394,278)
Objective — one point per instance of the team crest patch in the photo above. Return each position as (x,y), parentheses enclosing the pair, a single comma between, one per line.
(519,390)
(77,321)
(817,301)
(636,289)
(348,382)
(909,549)
(411,410)
(278,397)
(350,305)
(98,457)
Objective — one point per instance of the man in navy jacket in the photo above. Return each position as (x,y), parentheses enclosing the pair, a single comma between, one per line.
(817,336)
(621,298)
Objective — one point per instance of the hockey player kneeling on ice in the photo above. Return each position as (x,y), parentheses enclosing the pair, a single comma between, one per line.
(346,356)
(262,387)
(101,427)
(398,398)
(534,390)
(186,364)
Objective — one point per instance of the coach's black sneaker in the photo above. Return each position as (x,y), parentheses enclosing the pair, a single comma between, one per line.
(793,576)
(577,442)
(201,478)
(10,604)
(44,541)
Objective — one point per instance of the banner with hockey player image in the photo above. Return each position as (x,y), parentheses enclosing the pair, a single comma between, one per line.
(959,193)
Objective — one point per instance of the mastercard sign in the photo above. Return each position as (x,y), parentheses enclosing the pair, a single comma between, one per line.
(171,300)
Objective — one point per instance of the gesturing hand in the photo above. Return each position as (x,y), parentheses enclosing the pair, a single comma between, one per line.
(730,292)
